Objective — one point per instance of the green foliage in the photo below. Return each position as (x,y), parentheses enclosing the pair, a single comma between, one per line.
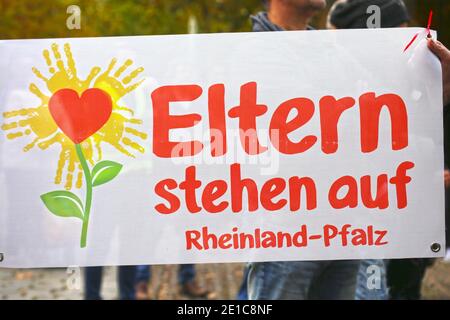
(47,18)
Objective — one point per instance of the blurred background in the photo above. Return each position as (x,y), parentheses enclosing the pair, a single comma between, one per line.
(25,19)
(47,18)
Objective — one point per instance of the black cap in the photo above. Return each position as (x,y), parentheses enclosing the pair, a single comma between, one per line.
(352,14)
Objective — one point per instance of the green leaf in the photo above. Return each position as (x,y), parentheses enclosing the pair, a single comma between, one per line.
(63,204)
(105,171)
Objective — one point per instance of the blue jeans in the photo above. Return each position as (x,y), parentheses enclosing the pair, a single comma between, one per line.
(372,280)
(93,282)
(243,292)
(302,280)
(186,273)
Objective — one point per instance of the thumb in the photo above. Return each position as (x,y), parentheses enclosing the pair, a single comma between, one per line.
(438,49)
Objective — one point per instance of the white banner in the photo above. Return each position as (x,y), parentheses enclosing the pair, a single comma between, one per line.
(309,145)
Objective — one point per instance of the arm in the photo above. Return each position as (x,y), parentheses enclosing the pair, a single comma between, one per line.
(444,55)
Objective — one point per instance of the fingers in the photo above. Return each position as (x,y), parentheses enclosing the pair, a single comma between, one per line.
(18,128)
(31,145)
(92,74)
(98,147)
(136,133)
(43,145)
(134,145)
(439,49)
(38,93)
(122,68)
(111,65)
(134,86)
(70,169)
(63,159)
(130,111)
(132,75)
(39,74)
(48,60)
(79,182)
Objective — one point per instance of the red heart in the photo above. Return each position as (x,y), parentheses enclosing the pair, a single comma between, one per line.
(80,117)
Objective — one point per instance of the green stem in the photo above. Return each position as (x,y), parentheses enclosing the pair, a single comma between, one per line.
(87,205)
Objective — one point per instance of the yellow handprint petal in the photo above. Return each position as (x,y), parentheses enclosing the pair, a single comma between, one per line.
(136,146)
(132,75)
(38,124)
(123,67)
(72,70)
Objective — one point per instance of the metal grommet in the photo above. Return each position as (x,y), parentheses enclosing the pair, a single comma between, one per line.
(1,257)
(435,247)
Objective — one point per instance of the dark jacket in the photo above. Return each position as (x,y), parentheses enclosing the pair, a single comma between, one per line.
(261,22)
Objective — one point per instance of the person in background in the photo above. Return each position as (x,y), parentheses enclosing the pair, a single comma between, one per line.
(265,22)
(404,280)
(186,279)
(298,279)
(93,282)
(352,14)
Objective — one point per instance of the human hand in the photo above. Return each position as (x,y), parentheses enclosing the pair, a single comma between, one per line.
(444,55)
